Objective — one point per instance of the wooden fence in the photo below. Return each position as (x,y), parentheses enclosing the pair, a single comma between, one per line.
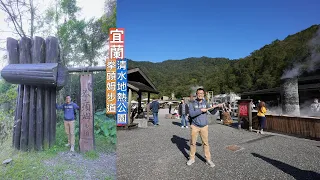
(308,127)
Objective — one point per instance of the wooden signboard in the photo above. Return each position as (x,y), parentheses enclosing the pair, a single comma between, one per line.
(244,109)
(86,114)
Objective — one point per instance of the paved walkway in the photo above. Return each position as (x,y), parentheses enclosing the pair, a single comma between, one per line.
(161,153)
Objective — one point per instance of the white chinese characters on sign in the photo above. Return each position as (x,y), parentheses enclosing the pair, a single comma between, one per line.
(111,86)
(122,65)
(122,108)
(116,36)
(121,86)
(111,65)
(116,52)
(110,97)
(122,118)
(122,75)
(122,97)
(111,108)
(111,76)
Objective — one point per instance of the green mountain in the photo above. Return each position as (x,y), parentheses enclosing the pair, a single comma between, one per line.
(262,69)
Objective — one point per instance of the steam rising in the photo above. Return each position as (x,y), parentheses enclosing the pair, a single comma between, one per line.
(305,110)
(312,61)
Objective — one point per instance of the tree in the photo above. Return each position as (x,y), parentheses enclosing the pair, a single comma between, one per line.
(22,16)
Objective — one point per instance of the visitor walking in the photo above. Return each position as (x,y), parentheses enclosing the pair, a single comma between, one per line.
(69,109)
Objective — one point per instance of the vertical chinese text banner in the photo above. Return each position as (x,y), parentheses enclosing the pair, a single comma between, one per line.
(122,100)
(116,51)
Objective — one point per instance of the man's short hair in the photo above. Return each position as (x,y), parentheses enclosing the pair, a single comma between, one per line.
(200,89)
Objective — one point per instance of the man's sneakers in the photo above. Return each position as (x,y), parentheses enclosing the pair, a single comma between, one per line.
(190,162)
(72,148)
(261,131)
(182,126)
(187,127)
(210,163)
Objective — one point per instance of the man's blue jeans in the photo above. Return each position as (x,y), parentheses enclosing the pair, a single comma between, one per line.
(155,118)
(184,121)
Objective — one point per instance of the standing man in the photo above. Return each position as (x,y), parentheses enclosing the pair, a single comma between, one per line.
(198,110)
(183,112)
(155,109)
(69,109)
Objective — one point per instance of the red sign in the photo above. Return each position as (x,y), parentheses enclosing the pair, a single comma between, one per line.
(243,109)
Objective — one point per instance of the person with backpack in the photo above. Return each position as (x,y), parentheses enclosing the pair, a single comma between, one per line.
(69,108)
(154,107)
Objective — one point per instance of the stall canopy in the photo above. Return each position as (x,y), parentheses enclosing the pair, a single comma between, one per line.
(139,82)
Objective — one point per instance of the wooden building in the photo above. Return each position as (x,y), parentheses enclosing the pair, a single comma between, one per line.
(309,88)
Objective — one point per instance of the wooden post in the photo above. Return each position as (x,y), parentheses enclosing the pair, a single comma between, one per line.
(32,118)
(148,97)
(239,117)
(129,106)
(86,142)
(13,57)
(39,119)
(250,116)
(148,106)
(139,104)
(46,118)
(17,133)
(38,56)
(53,117)
(25,58)
(139,100)
(52,56)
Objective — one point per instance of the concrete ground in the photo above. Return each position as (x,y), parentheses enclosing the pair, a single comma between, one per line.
(161,153)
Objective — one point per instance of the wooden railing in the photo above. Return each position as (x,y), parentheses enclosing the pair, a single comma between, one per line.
(308,127)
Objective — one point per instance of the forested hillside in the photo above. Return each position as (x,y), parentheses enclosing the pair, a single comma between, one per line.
(262,69)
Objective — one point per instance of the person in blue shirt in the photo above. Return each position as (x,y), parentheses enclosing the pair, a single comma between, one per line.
(154,106)
(69,109)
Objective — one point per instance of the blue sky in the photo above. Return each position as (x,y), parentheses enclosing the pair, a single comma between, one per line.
(158,30)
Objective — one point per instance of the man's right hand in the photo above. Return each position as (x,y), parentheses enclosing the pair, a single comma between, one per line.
(204,110)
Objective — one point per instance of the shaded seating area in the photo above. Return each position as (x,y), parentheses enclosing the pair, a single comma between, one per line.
(138,83)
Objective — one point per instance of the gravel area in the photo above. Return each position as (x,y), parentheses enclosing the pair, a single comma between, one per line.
(161,153)
(84,168)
